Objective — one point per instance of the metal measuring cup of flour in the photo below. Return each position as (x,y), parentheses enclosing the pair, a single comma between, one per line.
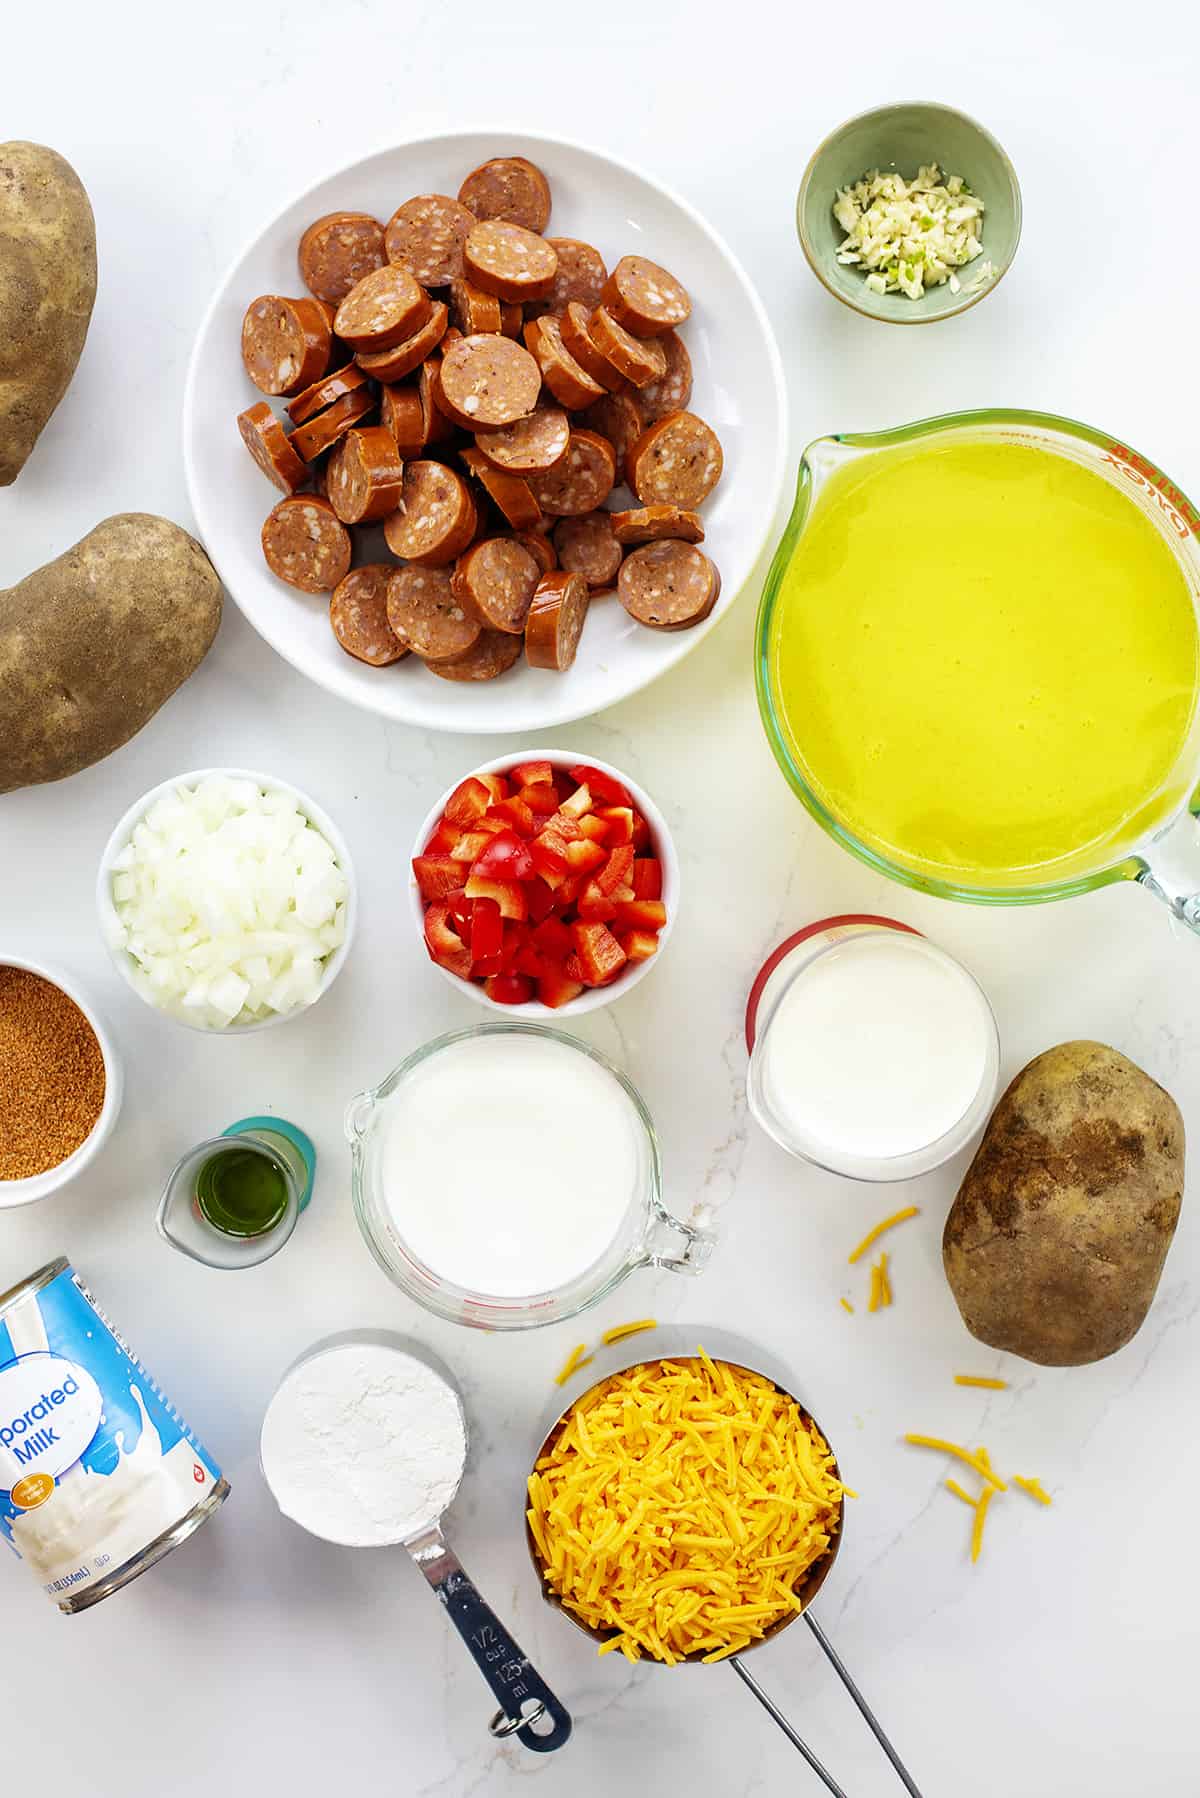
(676,1343)
(528,1710)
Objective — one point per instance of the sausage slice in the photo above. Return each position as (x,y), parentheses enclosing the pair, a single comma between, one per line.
(321,432)
(588,545)
(493,655)
(509,261)
(581,276)
(400,412)
(427,235)
(668,586)
(645,297)
(267,441)
(582,481)
(639,360)
(306,544)
(510,492)
(382,309)
(358,616)
(531,445)
(410,352)
(472,310)
(556,620)
(676,462)
(497,579)
(285,343)
(337,251)
(671,391)
(322,393)
(577,339)
(427,616)
(570,384)
(486,381)
(618,416)
(365,475)
(647,524)
(508,187)
(434,520)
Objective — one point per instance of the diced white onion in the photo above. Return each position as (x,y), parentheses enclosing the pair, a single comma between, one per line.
(229,901)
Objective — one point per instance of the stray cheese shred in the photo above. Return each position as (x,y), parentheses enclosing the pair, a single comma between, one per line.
(620,1331)
(679,1506)
(577,1358)
(979,1462)
(872,1236)
(971,1379)
(958,1491)
(847,1306)
(1034,1488)
(981,1511)
(881,1286)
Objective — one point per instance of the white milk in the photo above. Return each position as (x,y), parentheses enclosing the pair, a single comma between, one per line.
(509,1163)
(880,1048)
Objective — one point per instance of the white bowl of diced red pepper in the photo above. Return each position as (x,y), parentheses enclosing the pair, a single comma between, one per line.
(544,882)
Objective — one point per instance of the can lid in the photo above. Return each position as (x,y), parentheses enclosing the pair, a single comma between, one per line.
(33,1283)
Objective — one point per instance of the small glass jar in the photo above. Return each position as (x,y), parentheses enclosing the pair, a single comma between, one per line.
(647,1235)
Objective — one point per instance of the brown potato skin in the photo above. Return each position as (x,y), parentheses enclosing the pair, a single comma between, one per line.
(93,643)
(47,290)
(1056,1240)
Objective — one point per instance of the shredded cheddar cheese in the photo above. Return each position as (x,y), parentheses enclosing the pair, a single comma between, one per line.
(847,1306)
(981,1511)
(971,1379)
(979,1462)
(1034,1488)
(953,1486)
(872,1236)
(620,1331)
(881,1286)
(577,1358)
(679,1506)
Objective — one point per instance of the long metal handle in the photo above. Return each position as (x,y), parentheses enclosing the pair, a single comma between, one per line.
(774,1712)
(525,1698)
(872,1722)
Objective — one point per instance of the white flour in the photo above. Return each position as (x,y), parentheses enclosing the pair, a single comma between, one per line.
(363,1445)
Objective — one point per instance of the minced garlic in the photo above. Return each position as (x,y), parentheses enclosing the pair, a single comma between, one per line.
(908,236)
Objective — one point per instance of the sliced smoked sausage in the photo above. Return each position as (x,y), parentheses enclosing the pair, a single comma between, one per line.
(322,393)
(640,360)
(436,426)
(647,524)
(358,616)
(497,578)
(618,416)
(581,276)
(587,545)
(570,383)
(671,391)
(578,342)
(400,411)
(472,310)
(582,481)
(539,547)
(509,261)
(321,432)
(531,445)
(306,544)
(435,519)
(510,492)
(365,475)
(427,616)
(337,251)
(268,443)
(493,655)
(556,619)
(676,461)
(645,297)
(427,235)
(285,343)
(382,309)
(410,352)
(508,187)
(488,380)
(668,586)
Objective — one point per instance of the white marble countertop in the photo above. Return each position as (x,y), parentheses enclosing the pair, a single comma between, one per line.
(256,1660)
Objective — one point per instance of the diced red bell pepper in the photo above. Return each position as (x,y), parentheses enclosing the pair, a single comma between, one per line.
(619,819)
(573,968)
(577,803)
(539,899)
(443,838)
(541,800)
(444,944)
(594,827)
(483,970)
(641,832)
(584,857)
(528,961)
(617,870)
(555,988)
(508,894)
(460,910)
(509,989)
(601,786)
(506,857)
(513,813)
(595,905)
(487,929)
(639,945)
(568,891)
(563,825)
(471,797)
(516,936)
(549,848)
(470,845)
(552,940)
(647,877)
(532,774)
(600,954)
(437,876)
(641,914)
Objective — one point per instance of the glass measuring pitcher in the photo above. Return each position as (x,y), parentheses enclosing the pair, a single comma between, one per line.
(509,1175)
(1154,841)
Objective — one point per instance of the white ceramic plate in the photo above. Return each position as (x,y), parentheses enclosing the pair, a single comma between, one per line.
(739,389)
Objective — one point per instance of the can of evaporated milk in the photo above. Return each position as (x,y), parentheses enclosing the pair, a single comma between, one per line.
(99,1475)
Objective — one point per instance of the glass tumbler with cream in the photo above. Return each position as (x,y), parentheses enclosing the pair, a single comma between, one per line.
(509,1175)
(873,1053)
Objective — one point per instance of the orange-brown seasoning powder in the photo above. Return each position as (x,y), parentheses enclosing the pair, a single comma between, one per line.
(51,1075)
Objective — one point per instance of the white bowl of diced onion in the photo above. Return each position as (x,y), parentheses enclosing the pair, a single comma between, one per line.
(227,900)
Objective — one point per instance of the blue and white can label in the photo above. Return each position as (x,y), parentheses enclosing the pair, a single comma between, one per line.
(98,1471)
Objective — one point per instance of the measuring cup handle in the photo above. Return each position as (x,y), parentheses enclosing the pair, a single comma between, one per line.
(1169,867)
(680,1248)
(516,1683)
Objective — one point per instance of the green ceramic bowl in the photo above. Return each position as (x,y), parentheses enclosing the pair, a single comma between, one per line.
(903,137)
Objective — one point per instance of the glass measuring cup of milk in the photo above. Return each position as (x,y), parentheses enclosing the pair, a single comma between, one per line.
(1149,837)
(509,1175)
(873,1053)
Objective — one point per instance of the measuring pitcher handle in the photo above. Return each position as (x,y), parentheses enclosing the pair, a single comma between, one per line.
(1170,867)
(680,1248)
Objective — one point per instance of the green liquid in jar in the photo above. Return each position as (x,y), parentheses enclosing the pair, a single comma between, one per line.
(242,1192)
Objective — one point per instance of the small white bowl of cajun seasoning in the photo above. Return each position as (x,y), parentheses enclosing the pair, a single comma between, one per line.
(60,1081)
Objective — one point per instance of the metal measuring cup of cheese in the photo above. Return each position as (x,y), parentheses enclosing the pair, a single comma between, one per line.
(364,1445)
(676,1343)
